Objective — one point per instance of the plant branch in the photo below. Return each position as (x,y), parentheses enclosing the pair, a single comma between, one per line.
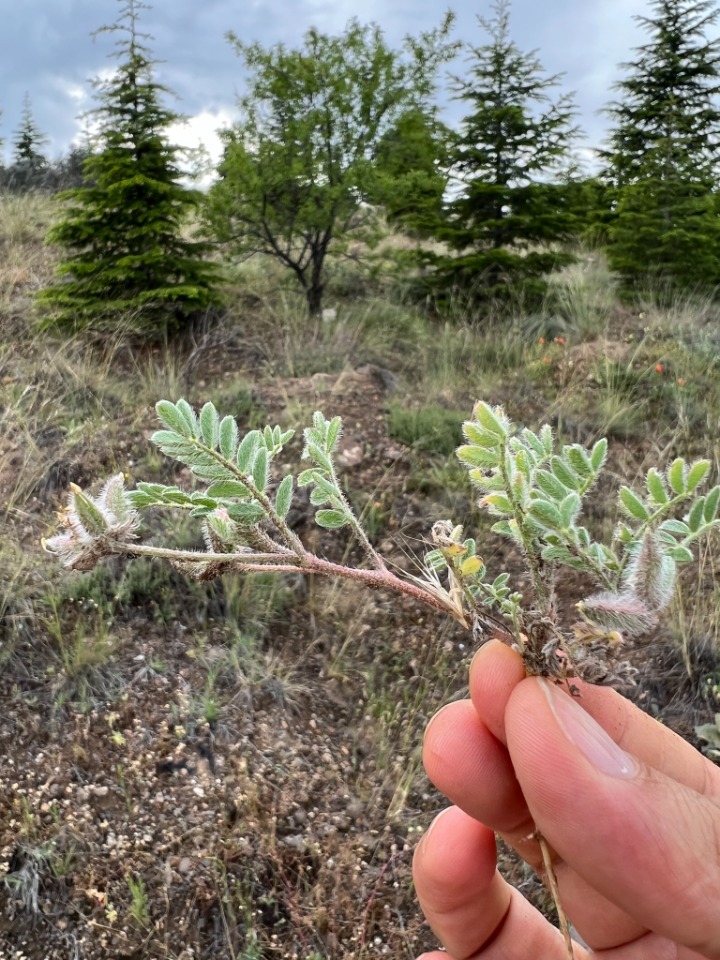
(285,562)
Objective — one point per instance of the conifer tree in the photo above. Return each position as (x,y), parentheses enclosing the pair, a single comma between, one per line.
(663,154)
(29,139)
(126,259)
(511,157)
(29,165)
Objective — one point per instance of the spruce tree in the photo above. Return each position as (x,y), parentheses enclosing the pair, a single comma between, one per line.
(126,259)
(511,157)
(29,164)
(663,153)
(29,139)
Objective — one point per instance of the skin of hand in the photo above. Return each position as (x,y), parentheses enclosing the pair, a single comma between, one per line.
(630,810)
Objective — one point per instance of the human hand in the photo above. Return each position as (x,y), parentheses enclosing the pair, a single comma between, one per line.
(632,820)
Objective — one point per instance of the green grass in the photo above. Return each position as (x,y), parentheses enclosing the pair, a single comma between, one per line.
(428,429)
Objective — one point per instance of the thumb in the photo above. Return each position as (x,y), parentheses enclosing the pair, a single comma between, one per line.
(645,842)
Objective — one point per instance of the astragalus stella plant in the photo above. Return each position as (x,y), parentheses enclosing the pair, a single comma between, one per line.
(533,486)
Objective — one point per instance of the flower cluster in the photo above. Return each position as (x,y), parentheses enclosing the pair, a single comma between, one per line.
(94,527)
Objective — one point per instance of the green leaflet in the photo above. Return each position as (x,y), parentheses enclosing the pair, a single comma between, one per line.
(491,419)
(712,500)
(331,519)
(632,503)
(696,475)
(676,475)
(565,474)
(260,469)
(246,451)
(475,456)
(172,418)
(547,514)
(598,455)
(210,425)
(656,487)
(227,489)
(283,497)
(228,439)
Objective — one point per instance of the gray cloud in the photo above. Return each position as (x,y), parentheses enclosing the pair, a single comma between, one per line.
(46,48)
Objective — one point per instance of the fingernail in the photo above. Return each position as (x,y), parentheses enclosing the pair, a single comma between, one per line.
(588,736)
(435,716)
(438,817)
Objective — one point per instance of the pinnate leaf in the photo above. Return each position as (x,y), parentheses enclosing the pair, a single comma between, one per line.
(677,527)
(498,503)
(569,509)
(695,516)
(333,434)
(316,454)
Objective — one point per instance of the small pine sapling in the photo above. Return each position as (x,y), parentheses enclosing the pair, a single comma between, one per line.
(533,486)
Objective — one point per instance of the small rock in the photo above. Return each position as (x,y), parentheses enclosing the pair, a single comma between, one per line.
(351,456)
(295,841)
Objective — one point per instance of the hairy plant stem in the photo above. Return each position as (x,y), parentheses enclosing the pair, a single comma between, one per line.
(286,561)
(555,893)
(373,555)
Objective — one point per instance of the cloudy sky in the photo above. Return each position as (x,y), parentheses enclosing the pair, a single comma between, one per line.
(46,50)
